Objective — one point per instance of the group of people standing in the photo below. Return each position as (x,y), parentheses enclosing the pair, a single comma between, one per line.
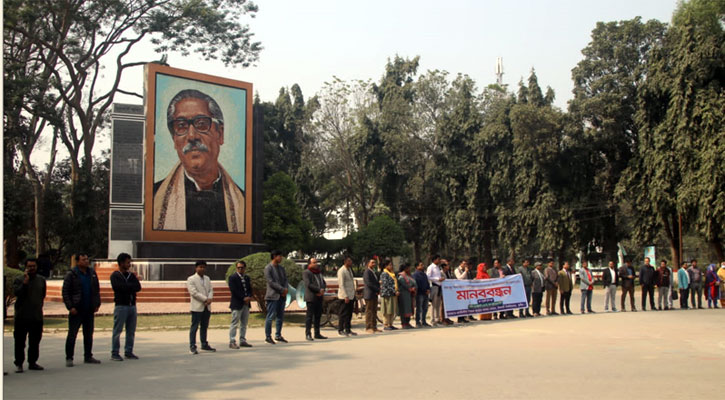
(82,297)
(405,294)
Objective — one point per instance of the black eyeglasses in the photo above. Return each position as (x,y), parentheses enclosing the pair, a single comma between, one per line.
(202,124)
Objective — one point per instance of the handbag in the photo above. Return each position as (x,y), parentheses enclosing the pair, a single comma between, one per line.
(674,295)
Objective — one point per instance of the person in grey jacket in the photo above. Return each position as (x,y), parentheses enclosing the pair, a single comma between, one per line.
(586,285)
(538,284)
(275,297)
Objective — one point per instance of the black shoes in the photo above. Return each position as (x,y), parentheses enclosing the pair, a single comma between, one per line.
(208,348)
(244,344)
(35,367)
(269,340)
(91,360)
(280,339)
(130,356)
(116,357)
(319,336)
(308,337)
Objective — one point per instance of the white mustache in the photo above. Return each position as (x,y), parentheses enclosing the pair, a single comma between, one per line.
(195,145)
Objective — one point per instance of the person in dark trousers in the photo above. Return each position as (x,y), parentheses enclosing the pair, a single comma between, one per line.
(29,292)
(627,275)
(314,295)
(647,281)
(537,288)
(566,285)
(422,295)
(201,294)
(240,286)
(370,293)
(346,293)
(82,298)
(125,285)
(276,277)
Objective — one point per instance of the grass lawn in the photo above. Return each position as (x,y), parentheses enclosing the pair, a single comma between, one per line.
(165,321)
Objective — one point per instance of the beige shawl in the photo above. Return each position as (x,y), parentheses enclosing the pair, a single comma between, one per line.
(170,202)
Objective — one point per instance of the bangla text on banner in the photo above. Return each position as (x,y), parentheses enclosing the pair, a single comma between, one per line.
(463,297)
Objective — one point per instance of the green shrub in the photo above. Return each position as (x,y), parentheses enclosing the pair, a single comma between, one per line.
(255,269)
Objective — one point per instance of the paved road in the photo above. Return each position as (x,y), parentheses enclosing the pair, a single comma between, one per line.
(644,355)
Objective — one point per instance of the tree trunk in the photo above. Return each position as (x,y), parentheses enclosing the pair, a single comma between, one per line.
(717,247)
(10,250)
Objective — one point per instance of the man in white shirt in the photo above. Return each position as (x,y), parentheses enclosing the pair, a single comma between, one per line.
(435,277)
(462,274)
(201,293)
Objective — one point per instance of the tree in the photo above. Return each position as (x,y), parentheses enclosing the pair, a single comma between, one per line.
(606,84)
(71,44)
(283,227)
(382,237)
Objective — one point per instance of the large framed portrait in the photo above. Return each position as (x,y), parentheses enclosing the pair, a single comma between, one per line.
(198,178)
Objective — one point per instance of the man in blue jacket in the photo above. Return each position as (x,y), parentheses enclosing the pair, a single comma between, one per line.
(421,296)
(240,287)
(82,298)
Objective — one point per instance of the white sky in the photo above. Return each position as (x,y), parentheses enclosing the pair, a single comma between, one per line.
(309,42)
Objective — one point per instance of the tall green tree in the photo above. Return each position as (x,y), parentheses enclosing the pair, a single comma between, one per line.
(682,117)
(606,84)
(72,44)
(283,227)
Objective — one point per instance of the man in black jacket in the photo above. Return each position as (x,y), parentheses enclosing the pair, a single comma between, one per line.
(29,292)
(82,298)
(125,285)
(647,281)
(610,280)
(370,293)
(314,294)
(240,286)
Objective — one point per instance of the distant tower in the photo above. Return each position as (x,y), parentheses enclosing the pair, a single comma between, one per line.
(499,71)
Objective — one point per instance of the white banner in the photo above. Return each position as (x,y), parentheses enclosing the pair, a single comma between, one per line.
(462,297)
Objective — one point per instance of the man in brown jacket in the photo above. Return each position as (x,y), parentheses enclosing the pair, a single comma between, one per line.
(565,286)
